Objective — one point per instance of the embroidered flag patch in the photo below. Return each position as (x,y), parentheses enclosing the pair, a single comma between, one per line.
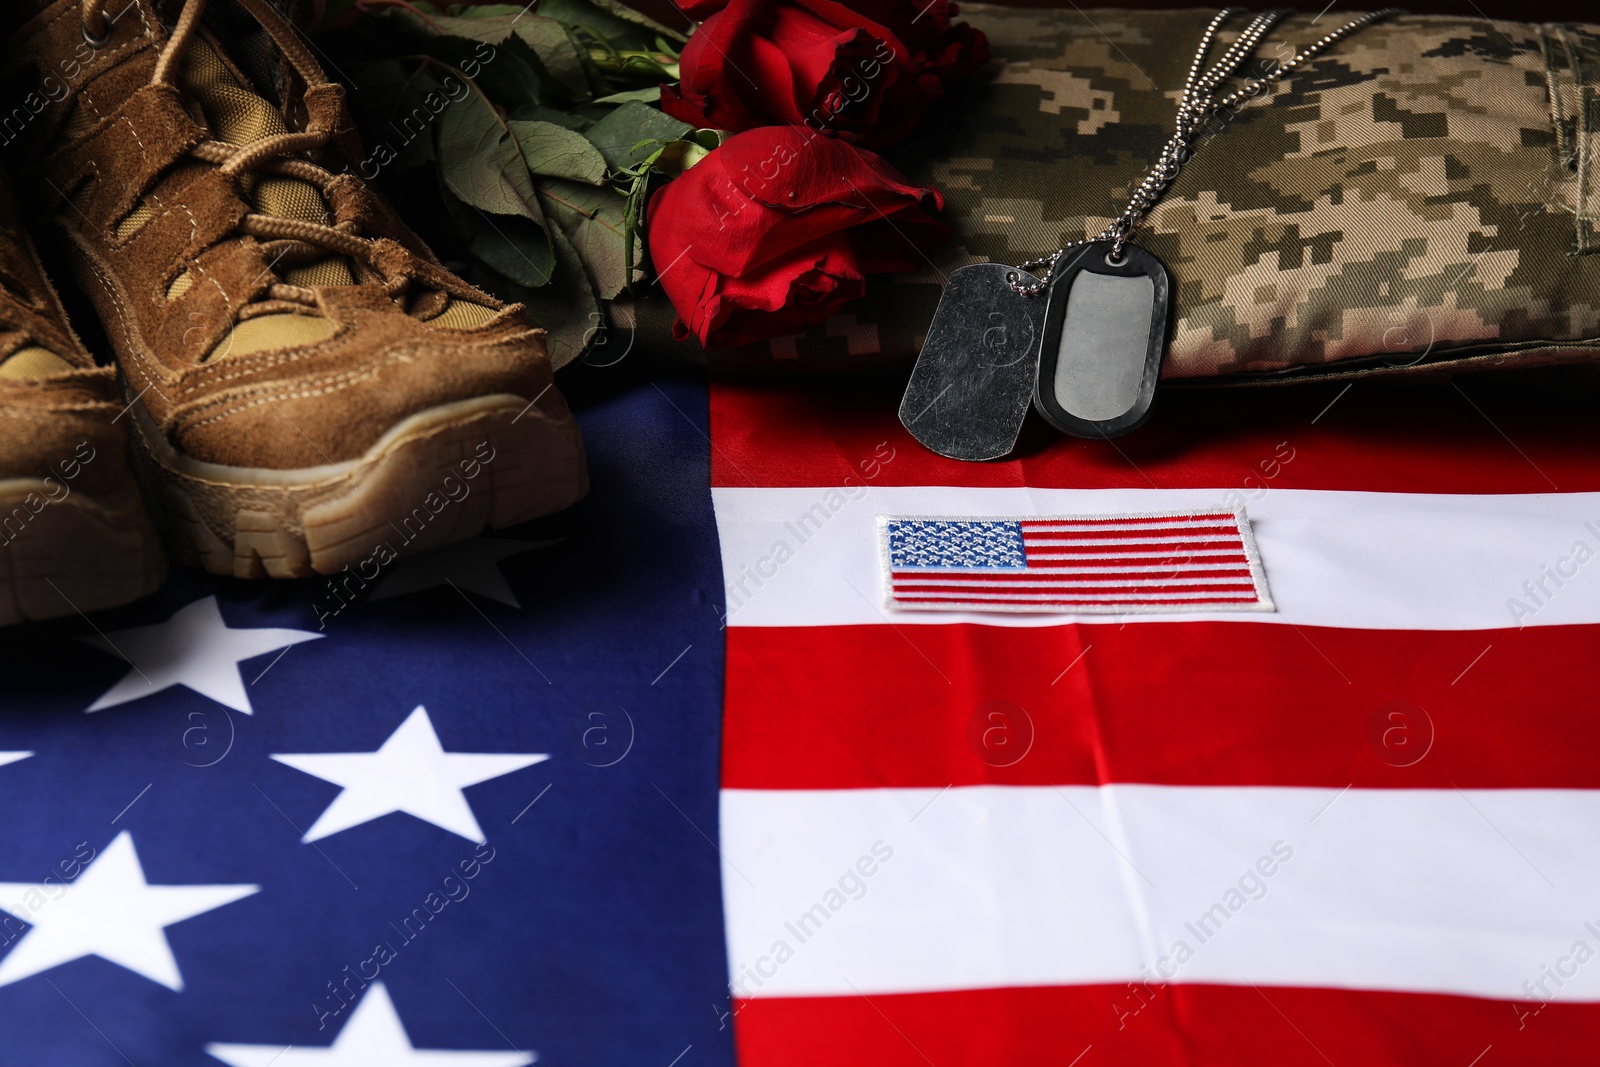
(1191,561)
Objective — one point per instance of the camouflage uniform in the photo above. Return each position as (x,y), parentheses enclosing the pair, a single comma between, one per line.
(1426,192)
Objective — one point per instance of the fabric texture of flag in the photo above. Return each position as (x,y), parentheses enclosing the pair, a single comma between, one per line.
(666,780)
(454,810)
(1358,826)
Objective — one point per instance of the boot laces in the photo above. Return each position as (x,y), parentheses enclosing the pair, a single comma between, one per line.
(283,240)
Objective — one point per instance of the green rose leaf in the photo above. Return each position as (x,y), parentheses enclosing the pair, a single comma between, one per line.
(617,23)
(506,73)
(593,222)
(553,45)
(567,307)
(482,163)
(516,248)
(549,46)
(558,152)
(627,136)
(490,23)
(572,120)
(642,96)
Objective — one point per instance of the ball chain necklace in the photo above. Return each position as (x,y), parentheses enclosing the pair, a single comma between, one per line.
(1085,341)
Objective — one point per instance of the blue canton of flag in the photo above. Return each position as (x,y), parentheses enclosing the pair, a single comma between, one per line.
(920,543)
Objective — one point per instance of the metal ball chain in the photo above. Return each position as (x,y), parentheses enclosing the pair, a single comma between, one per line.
(1196,107)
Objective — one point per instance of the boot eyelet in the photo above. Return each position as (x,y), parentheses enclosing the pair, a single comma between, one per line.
(100,42)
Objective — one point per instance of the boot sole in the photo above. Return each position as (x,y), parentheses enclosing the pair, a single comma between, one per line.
(79,554)
(412,490)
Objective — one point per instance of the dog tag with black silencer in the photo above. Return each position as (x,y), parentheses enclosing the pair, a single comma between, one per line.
(1105,330)
(969,392)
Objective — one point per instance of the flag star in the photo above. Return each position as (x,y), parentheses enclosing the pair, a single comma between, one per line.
(12,757)
(468,565)
(374,1035)
(410,772)
(194,648)
(109,911)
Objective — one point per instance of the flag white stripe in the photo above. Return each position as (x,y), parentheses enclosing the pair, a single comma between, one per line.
(1363,560)
(1447,891)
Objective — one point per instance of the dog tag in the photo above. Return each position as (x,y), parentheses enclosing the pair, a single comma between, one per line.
(969,391)
(1105,331)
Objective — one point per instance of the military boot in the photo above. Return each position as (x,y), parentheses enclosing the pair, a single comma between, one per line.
(74,533)
(308,387)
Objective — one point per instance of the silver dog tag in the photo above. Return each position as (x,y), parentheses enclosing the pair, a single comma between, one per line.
(1105,331)
(969,392)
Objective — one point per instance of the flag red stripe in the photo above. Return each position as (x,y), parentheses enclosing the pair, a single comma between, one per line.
(1158,1026)
(1067,592)
(1197,538)
(1132,588)
(1207,518)
(1152,563)
(1187,703)
(1104,565)
(1120,605)
(1192,533)
(794,433)
(1049,530)
(1084,577)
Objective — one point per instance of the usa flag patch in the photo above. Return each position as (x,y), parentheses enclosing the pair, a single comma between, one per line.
(1104,564)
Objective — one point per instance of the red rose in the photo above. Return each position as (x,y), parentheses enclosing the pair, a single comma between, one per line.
(810,63)
(778,228)
(938,46)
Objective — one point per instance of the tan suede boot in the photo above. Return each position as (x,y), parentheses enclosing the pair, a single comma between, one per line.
(309,388)
(74,534)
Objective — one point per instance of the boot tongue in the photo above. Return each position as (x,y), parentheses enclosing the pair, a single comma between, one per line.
(238,116)
(33,361)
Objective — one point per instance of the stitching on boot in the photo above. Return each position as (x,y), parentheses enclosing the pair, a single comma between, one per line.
(253,362)
(332,385)
(162,210)
(109,288)
(286,390)
(143,155)
(105,59)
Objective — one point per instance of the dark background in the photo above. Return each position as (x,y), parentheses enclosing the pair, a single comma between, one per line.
(1509,10)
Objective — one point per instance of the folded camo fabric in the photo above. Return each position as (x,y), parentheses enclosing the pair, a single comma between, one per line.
(1424,195)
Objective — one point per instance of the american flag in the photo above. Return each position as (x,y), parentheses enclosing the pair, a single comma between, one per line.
(450,814)
(1360,826)
(1097,563)
(663,781)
